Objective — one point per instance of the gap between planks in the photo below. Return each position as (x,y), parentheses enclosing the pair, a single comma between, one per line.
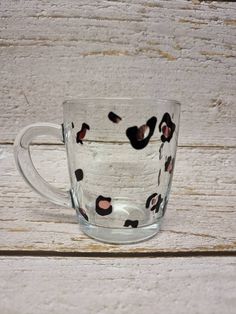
(209,1)
(41,253)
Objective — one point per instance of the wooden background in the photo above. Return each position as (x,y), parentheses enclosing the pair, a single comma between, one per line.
(52,50)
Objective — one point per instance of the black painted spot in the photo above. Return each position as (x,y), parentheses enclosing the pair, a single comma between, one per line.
(160,151)
(159,177)
(79,174)
(114,117)
(83,213)
(169,164)
(158,204)
(103,205)
(132,223)
(166,127)
(150,201)
(81,134)
(139,137)
(153,202)
(72,125)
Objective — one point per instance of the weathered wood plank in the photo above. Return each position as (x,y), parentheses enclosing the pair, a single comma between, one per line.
(59,285)
(200,216)
(172,49)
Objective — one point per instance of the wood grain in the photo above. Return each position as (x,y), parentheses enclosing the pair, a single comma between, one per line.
(88,285)
(200,216)
(170,49)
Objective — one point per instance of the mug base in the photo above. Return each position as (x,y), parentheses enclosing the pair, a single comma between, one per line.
(120,235)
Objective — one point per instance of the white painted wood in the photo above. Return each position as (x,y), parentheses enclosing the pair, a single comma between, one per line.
(81,285)
(174,49)
(200,215)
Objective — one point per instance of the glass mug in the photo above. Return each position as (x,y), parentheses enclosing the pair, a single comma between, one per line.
(121,154)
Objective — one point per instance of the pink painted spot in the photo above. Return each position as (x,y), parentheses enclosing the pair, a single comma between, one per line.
(104,204)
(170,167)
(81,134)
(143,132)
(166,131)
(154,200)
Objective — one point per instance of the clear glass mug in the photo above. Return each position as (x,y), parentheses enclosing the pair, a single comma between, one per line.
(121,154)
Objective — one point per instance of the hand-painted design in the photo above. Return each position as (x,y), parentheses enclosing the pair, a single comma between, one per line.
(83,213)
(139,137)
(169,164)
(72,125)
(154,201)
(160,151)
(132,223)
(167,127)
(103,205)
(81,134)
(159,177)
(114,117)
(79,174)
(151,200)
(158,204)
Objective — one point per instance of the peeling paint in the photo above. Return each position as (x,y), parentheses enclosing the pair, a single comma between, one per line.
(193,22)
(99,18)
(153,42)
(18,230)
(160,52)
(147,51)
(230,22)
(107,53)
(177,47)
(153,5)
(215,54)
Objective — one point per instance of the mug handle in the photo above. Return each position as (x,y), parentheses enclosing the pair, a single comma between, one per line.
(25,165)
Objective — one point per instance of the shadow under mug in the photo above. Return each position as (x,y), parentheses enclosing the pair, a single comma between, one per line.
(121,154)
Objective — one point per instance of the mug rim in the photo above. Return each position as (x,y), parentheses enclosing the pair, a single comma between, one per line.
(71,101)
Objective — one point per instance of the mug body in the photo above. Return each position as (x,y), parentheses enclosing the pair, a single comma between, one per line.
(121,154)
